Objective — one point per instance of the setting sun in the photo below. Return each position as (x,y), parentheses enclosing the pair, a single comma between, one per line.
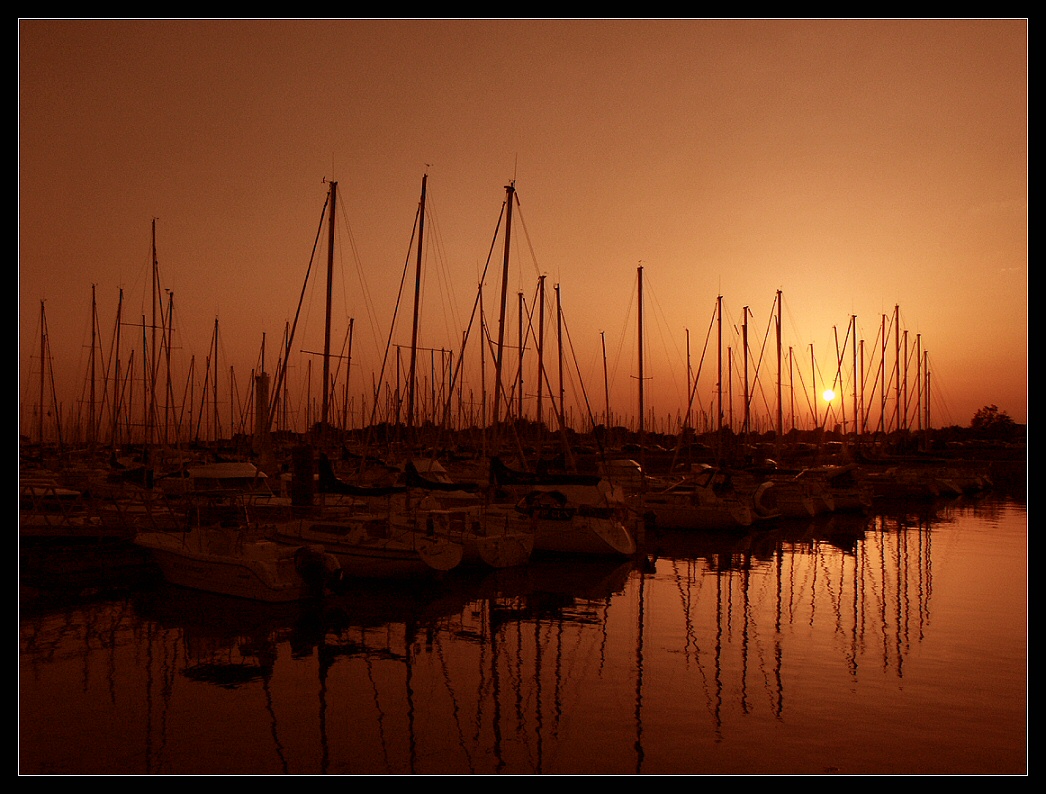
(828,395)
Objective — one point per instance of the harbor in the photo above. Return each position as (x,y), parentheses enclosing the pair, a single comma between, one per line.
(892,642)
(522,397)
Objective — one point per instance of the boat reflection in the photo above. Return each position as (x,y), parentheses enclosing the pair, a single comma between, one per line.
(497,671)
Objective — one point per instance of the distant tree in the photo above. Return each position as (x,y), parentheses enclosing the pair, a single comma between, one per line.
(990,422)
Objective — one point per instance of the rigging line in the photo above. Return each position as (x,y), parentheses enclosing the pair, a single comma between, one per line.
(864,384)
(528,335)
(526,234)
(802,384)
(476,304)
(623,335)
(281,375)
(368,302)
(759,364)
(661,327)
(839,360)
(395,313)
(581,382)
(436,240)
(701,362)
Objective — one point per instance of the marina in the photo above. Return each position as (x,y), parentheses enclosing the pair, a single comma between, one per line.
(893,642)
(591,397)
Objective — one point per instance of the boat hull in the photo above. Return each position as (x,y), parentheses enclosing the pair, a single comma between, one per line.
(256,570)
(372,549)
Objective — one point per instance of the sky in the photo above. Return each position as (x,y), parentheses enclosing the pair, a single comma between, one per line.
(856,168)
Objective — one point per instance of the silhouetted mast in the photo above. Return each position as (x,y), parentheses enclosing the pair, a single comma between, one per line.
(719,357)
(94,324)
(744,353)
(327,329)
(780,417)
(43,365)
(510,193)
(417,297)
(541,346)
(853,342)
(642,406)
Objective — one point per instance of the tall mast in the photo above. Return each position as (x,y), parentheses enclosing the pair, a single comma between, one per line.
(642,405)
(719,357)
(117,401)
(348,369)
(689,382)
(43,365)
(897,364)
(864,402)
(837,381)
(606,382)
(780,410)
(94,324)
(926,368)
(151,386)
(214,385)
(411,375)
(510,190)
(853,342)
(327,329)
(882,376)
(559,339)
(520,338)
(904,412)
(169,388)
(918,382)
(744,354)
(813,385)
(541,345)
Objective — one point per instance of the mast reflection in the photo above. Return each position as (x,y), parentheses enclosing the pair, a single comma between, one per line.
(532,670)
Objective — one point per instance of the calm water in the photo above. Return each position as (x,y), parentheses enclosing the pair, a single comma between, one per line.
(895,644)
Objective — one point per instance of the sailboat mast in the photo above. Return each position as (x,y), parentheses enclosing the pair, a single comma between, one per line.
(510,194)
(719,357)
(780,410)
(151,398)
(520,339)
(94,325)
(744,354)
(882,376)
(169,388)
(43,365)
(606,382)
(417,297)
(853,342)
(897,365)
(327,329)
(689,382)
(541,344)
(348,370)
(117,401)
(813,386)
(214,384)
(642,405)
(559,342)
(918,383)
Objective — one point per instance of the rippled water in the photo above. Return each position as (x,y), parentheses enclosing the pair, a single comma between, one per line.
(888,644)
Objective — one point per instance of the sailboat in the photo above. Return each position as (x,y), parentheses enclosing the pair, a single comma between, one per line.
(242,561)
(491,534)
(704,501)
(572,513)
(357,526)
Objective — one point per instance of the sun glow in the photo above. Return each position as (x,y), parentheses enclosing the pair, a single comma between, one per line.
(828,395)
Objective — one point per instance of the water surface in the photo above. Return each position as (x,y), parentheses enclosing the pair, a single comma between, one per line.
(894,643)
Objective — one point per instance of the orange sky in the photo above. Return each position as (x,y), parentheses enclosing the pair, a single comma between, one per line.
(857,166)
